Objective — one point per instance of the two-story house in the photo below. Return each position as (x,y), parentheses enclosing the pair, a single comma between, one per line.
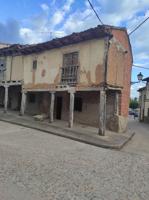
(83,78)
(144,101)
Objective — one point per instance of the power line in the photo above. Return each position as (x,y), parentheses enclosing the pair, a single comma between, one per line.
(139,26)
(140,67)
(95,12)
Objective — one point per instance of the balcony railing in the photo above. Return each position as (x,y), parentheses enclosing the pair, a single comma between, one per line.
(69,75)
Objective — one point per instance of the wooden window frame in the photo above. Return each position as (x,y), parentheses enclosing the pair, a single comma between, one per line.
(70,68)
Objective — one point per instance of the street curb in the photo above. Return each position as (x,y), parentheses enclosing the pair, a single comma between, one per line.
(107,146)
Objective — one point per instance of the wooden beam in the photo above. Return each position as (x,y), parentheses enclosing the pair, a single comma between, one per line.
(52,107)
(102,112)
(23,103)
(6,98)
(71,109)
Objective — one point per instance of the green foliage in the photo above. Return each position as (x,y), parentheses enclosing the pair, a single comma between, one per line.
(134,103)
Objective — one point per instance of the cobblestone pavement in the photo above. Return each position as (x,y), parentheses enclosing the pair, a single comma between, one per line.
(140,142)
(36,165)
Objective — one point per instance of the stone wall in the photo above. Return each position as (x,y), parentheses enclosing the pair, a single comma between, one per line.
(40,105)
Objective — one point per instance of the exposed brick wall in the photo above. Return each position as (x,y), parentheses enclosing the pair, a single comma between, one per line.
(116,57)
(121,36)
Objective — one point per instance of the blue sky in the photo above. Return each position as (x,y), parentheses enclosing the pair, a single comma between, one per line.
(33,21)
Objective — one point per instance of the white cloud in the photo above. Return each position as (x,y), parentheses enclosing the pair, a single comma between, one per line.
(30,36)
(45,7)
(125,9)
(135,88)
(67,5)
(86,20)
(59,15)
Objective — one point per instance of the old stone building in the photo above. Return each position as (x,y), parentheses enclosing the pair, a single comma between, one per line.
(144,101)
(83,77)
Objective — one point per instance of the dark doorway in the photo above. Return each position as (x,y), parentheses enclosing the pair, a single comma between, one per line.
(59,102)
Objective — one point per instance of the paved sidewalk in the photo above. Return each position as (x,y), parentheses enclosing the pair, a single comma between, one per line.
(81,133)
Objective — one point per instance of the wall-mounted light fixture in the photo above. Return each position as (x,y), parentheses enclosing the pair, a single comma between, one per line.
(140,77)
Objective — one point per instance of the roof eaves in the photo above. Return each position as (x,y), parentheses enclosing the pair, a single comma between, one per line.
(100,31)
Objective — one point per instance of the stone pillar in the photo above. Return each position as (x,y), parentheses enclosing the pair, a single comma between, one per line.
(23,102)
(102,112)
(6,98)
(51,114)
(116,103)
(71,109)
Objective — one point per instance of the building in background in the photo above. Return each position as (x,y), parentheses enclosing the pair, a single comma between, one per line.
(83,78)
(3,45)
(144,101)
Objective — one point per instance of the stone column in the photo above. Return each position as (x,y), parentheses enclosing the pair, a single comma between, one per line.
(6,98)
(23,102)
(102,112)
(71,109)
(116,103)
(51,114)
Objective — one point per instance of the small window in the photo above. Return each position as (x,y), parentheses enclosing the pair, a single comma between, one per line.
(78,104)
(2,64)
(34,64)
(32,98)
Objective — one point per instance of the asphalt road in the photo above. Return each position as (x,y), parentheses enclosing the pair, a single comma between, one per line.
(37,165)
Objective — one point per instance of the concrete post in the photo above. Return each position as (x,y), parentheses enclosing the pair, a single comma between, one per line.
(71,109)
(6,98)
(102,112)
(52,107)
(23,102)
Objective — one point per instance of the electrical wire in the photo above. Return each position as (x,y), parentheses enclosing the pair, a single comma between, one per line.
(95,12)
(138,26)
(140,67)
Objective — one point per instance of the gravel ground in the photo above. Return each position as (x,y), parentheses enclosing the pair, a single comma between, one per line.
(37,165)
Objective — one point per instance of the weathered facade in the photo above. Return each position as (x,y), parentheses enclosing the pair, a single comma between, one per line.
(144,102)
(83,77)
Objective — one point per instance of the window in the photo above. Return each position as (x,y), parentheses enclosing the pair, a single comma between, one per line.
(34,64)
(78,104)
(70,68)
(32,98)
